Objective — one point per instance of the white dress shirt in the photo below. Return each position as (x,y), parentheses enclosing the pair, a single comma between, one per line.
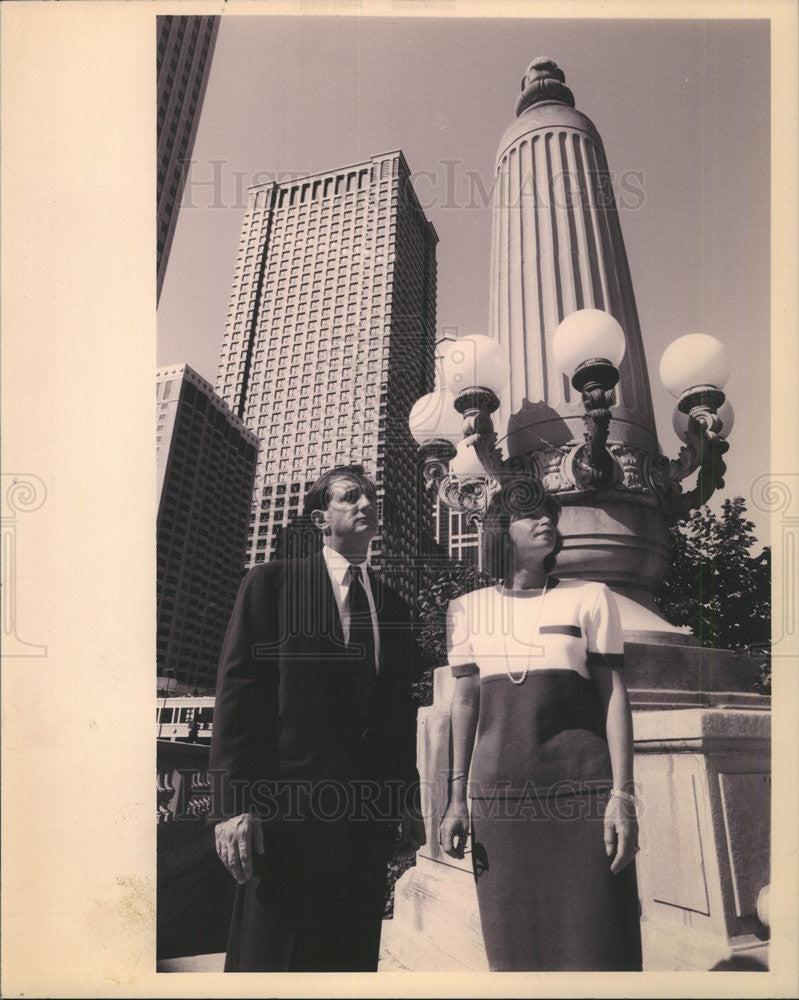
(338,570)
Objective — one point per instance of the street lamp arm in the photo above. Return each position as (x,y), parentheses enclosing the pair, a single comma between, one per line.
(485,447)
(703,450)
(711,470)
(597,401)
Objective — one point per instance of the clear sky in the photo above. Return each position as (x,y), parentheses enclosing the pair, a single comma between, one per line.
(683,109)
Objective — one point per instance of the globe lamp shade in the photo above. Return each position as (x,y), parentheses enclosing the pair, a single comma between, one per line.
(474,362)
(692,361)
(588,335)
(434,418)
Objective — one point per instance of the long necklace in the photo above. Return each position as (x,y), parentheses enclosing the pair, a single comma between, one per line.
(536,646)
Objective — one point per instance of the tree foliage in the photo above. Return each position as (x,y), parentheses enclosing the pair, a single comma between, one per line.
(431,619)
(717,586)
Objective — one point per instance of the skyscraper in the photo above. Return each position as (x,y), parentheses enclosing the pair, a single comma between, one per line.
(206,467)
(330,339)
(185,47)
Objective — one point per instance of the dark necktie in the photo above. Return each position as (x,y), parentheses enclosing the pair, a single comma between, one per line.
(361,647)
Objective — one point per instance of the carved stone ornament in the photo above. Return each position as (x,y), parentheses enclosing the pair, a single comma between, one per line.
(630,463)
(551,469)
(563,470)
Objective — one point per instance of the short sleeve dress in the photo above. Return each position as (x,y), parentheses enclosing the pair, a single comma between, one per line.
(540,777)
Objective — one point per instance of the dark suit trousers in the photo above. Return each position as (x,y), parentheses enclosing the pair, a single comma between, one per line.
(317,903)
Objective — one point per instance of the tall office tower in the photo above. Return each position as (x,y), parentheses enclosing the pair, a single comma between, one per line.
(185,47)
(330,339)
(206,468)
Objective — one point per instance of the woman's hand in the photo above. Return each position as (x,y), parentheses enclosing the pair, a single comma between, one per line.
(454,830)
(621,832)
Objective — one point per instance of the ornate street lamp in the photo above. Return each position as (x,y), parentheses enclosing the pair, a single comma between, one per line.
(458,442)
(436,428)
(589,346)
(694,369)
(474,371)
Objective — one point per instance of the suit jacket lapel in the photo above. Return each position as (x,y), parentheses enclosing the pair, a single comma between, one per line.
(377,594)
(383,622)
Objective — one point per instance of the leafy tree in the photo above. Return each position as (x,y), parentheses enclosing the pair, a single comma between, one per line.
(431,620)
(718,587)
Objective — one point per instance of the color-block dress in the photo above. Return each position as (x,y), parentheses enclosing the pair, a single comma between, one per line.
(540,777)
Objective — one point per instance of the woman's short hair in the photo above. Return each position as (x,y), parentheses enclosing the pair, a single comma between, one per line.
(514,501)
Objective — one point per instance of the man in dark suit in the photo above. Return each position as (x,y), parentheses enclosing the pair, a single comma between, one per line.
(313,750)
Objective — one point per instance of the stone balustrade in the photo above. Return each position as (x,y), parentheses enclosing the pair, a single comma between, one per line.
(183,785)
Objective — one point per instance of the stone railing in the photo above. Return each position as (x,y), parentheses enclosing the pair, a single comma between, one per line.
(183,788)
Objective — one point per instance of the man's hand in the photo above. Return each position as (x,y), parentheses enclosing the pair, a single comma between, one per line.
(621,833)
(411,834)
(454,830)
(235,840)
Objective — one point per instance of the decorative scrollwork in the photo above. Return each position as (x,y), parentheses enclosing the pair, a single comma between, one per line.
(470,497)
(435,456)
(434,471)
(23,493)
(772,493)
(522,494)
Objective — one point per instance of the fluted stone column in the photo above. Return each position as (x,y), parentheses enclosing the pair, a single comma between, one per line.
(557,247)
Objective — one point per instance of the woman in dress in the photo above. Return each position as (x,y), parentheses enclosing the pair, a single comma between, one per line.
(542,734)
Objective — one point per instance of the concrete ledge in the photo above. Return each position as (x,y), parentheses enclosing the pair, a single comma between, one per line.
(647,700)
(697,725)
(669,948)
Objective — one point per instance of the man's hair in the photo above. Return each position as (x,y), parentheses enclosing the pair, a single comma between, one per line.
(507,506)
(318,496)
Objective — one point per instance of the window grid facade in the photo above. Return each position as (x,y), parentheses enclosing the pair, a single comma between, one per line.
(455,535)
(330,339)
(185,46)
(206,467)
